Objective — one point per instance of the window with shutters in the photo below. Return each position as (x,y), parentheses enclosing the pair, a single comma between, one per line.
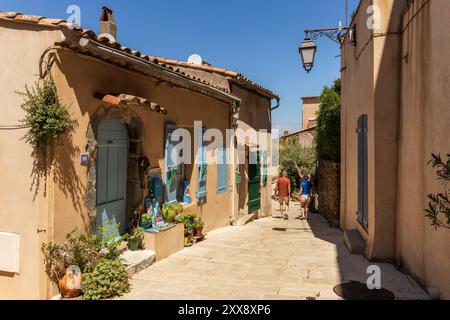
(202,164)
(173,167)
(222,169)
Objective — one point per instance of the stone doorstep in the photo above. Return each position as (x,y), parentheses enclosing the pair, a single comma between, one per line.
(247,219)
(354,243)
(136,261)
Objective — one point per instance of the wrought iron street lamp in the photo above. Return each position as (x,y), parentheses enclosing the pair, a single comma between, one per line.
(308,52)
(308,49)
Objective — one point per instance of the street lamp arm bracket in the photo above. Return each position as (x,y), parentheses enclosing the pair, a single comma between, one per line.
(334,34)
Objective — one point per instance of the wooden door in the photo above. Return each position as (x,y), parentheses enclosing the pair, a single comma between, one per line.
(112,158)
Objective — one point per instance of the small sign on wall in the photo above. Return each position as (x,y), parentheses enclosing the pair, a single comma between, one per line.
(9,252)
(84,159)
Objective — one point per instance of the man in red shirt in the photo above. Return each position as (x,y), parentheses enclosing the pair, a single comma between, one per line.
(283,192)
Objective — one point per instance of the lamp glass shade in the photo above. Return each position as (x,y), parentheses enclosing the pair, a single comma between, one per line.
(307,51)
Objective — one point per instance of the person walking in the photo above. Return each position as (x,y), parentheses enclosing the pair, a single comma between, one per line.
(283,192)
(305,197)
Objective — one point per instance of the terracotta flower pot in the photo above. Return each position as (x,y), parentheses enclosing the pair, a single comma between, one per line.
(70,284)
(199,232)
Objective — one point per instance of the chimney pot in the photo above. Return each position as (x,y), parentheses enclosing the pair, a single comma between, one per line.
(108,22)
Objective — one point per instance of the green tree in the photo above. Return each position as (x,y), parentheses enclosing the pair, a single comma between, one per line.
(328,141)
(297,160)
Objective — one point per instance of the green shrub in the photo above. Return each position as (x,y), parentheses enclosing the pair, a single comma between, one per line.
(170,211)
(81,250)
(328,141)
(107,279)
(45,116)
(190,220)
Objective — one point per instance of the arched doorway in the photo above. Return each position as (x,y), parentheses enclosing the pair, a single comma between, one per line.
(112,159)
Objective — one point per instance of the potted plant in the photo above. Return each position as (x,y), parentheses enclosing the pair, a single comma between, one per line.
(135,239)
(188,238)
(146,221)
(188,221)
(198,227)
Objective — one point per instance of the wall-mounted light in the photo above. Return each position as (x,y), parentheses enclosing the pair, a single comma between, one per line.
(307,52)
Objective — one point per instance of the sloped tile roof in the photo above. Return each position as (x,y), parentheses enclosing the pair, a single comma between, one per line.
(91,35)
(224,72)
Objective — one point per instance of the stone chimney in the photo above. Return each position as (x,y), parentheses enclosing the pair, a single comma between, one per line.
(108,22)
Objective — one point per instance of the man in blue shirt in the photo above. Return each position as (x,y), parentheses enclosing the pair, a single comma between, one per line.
(305,197)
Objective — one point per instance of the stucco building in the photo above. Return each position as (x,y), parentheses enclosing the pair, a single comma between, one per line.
(127,105)
(395,114)
(307,134)
(253,120)
(310,109)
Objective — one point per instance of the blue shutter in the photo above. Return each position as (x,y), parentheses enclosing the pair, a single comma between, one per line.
(362,171)
(222,169)
(202,164)
(170,167)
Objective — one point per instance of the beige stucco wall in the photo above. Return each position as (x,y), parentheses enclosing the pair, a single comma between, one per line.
(309,111)
(425,129)
(370,85)
(401,82)
(255,115)
(63,207)
(22,210)
(78,79)
(356,74)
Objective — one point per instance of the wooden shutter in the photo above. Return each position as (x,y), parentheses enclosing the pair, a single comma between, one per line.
(202,164)
(254,182)
(222,169)
(170,168)
(362,171)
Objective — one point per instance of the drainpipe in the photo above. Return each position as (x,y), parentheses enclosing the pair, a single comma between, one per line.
(277,106)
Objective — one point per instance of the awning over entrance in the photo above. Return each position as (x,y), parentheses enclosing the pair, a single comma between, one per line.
(130,100)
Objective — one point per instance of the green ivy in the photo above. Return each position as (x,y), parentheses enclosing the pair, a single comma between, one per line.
(107,279)
(46,118)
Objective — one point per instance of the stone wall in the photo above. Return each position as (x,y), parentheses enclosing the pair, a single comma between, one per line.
(328,177)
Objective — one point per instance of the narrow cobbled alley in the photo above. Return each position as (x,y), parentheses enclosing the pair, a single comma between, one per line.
(269,259)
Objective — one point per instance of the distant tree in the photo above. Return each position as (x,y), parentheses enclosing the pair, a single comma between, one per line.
(328,141)
(297,160)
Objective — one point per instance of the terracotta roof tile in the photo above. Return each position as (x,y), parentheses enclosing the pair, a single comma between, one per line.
(49,21)
(10,15)
(28,18)
(90,34)
(221,71)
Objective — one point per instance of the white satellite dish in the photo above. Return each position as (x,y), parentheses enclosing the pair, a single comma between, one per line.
(195,59)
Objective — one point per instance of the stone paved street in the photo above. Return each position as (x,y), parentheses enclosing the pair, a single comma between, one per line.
(257,262)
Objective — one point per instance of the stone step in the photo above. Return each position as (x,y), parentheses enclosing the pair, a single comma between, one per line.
(354,243)
(136,261)
(247,219)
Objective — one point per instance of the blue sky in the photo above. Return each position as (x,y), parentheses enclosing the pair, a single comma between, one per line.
(258,38)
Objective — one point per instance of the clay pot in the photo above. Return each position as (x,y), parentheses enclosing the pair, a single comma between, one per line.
(199,232)
(70,284)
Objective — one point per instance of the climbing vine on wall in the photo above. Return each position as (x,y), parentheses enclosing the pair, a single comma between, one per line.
(438,210)
(45,117)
